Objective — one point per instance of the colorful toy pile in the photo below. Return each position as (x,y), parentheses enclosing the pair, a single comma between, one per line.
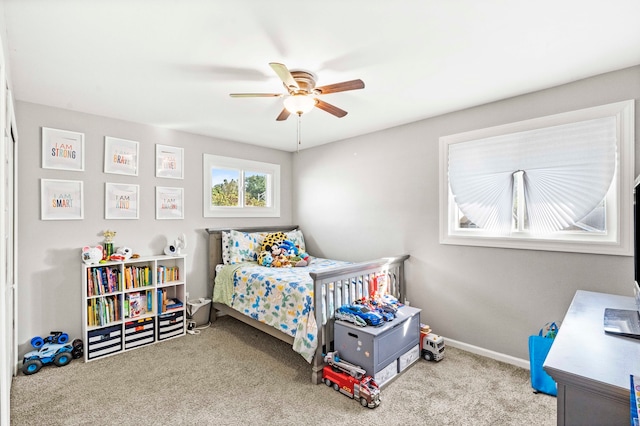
(278,252)
(373,311)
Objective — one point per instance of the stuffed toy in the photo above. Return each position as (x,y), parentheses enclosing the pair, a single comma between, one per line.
(122,254)
(281,261)
(278,252)
(272,239)
(297,261)
(288,246)
(265,259)
(304,258)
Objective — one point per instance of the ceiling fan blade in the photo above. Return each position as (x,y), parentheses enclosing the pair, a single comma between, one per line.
(285,75)
(331,109)
(283,115)
(340,87)
(255,95)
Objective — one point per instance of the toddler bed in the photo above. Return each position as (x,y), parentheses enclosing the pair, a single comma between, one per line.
(293,304)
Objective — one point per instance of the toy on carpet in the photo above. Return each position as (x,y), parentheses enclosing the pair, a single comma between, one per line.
(432,347)
(53,349)
(350,380)
(78,348)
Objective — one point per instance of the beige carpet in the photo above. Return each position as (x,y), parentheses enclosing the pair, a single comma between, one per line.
(231,374)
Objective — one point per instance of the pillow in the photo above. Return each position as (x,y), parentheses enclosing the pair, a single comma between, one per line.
(226,255)
(296,238)
(243,246)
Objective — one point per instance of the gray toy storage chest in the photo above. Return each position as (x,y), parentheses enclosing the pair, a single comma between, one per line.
(376,348)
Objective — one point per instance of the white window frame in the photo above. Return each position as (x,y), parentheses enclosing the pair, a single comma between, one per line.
(619,238)
(273,187)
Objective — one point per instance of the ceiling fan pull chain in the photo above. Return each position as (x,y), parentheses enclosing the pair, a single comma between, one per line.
(299,136)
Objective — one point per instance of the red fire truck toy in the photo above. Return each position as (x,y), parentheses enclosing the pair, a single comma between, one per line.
(350,380)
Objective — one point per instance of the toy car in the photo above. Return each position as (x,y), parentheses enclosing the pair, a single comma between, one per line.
(348,316)
(388,312)
(56,353)
(385,306)
(54,337)
(389,299)
(387,316)
(370,317)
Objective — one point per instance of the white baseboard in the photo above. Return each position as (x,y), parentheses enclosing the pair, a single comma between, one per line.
(488,353)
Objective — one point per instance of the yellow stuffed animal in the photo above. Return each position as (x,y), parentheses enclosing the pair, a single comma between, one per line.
(272,239)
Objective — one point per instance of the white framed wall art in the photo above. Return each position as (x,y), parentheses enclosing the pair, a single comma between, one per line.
(169,162)
(169,203)
(121,201)
(62,149)
(120,156)
(61,199)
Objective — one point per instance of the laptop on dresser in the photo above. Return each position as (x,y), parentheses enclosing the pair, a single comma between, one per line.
(624,322)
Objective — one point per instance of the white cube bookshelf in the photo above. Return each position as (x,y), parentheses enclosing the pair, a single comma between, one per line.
(133,303)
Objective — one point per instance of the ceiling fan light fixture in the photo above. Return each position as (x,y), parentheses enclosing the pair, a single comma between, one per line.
(299,104)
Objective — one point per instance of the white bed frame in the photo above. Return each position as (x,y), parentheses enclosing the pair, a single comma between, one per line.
(332,287)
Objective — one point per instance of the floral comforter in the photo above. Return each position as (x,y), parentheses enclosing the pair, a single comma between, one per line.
(279,297)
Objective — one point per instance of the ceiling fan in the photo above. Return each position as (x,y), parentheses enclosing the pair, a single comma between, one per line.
(302,92)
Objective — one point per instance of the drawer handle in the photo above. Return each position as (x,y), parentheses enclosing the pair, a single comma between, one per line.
(355,336)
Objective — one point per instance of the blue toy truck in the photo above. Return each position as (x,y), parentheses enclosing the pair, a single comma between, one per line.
(52,349)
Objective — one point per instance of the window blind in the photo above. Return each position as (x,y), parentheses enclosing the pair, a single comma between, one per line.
(568,170)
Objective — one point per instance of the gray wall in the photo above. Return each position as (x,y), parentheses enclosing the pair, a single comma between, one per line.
(377,195)
(49,251)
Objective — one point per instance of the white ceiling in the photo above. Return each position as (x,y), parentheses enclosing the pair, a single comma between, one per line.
(173,63)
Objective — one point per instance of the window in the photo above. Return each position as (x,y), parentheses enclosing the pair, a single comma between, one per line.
(240,188)
(561,182)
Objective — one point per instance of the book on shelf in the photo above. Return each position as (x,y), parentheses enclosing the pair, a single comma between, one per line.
(89,283)
(102,280)
(173,304)
(136,306)
(168,273)
(166,303)
(149,301)
(103,310)
(136,276)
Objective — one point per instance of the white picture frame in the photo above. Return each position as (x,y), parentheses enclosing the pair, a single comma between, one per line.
(169,203)
(169,162)
(121,201)
(121,156)
(61,199)
(62,149)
